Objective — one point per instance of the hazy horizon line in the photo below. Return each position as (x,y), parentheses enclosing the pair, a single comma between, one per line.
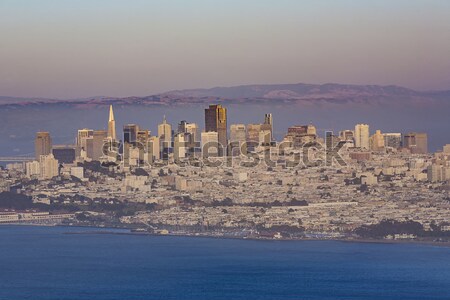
(222,86)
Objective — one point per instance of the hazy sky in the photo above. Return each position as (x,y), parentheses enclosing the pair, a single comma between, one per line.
(70,49)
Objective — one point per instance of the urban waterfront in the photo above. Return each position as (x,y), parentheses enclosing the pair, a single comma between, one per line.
(81,263)
(224,150)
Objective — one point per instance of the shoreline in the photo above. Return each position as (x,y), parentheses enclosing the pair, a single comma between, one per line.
(128,231)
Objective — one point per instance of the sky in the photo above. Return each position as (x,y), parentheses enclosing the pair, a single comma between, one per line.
(75,49)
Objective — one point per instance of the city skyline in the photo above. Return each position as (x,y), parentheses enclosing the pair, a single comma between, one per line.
(237,149)
(185,141)
(376,176)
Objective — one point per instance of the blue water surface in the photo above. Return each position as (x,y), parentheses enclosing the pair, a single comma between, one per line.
(49,263)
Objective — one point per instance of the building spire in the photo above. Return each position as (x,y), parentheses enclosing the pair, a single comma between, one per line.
(111,125)
(111,113)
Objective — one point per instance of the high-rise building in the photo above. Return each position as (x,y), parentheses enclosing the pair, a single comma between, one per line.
(32,169)
(210,144)
(238,139)
(48,167)
(416,142)
(191,135)
(165,133)
(143,136)
(299,135)
(99,139)
(267,128)
(82,138)
(346,135)
(191,129)
(238,133)
(130,132)
(253,133)
(182,126)
(330,140)
(265,137)
(362,136)
(132,152)
(268,120)
(153,149)
(216,121)
(42,144)
(179,146)
(392,140)
(446,149)
(89,148)
(165,138)
(377,141)
(111,125)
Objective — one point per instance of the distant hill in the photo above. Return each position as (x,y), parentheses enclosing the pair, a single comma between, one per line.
(265,93)
(293,91)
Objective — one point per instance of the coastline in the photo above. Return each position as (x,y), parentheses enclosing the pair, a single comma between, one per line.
(110,230)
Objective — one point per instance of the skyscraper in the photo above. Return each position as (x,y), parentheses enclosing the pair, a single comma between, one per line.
(377,141)
(153,150)
(143,136)
(216,121)
(238,139)
(165,132)
(48,166)
(264,138)
(82,138)
(98,140)
(165,138)
(210,143)
(179,146)
(42,144)
(392,140)
(330,140)
(253,133)
(130,132)
(362,136)
(416,142)
(191,136)
(182,126)
(300,135)
(192,130)
(268,120)
(446,149)
(237,133)
(111,125)
(32,168)
(346,135)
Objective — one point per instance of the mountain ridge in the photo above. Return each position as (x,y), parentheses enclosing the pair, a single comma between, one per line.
(254,93)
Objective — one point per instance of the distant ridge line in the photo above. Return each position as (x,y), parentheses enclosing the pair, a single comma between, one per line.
(253,93)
